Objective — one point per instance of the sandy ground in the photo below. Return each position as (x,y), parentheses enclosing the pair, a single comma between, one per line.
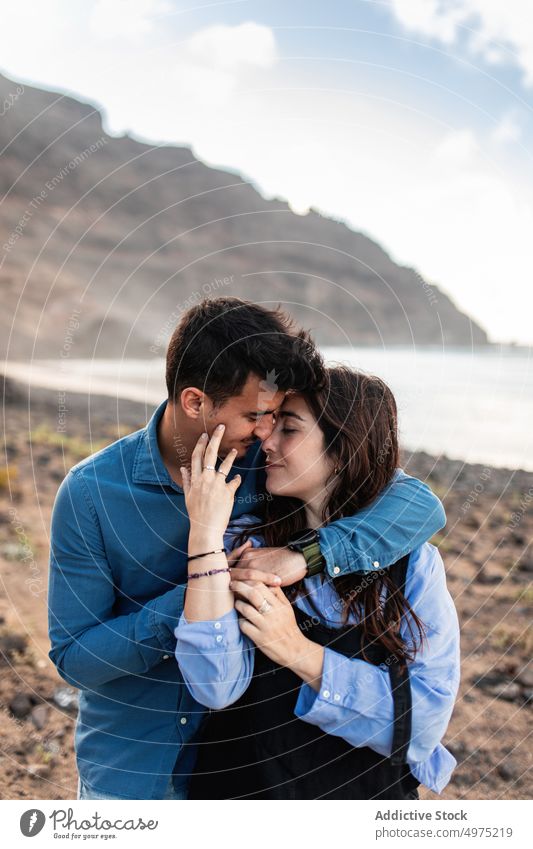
(486,547)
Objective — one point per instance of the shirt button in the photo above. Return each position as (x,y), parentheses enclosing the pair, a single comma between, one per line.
(336,570)
(183,720)
(326,694)
(218,625)
(166,656)
(375,564)
(219,638)
(337,697)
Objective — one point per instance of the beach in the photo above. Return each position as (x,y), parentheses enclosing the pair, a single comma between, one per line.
(486,547)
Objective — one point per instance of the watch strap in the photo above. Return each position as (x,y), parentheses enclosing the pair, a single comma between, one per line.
(314,558)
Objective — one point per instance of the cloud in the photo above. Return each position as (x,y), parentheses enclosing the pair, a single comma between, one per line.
(212,62)
(233,47)
(126,19)
(185,90)
(429,17)
(507,130)
(457,148)
(499,32)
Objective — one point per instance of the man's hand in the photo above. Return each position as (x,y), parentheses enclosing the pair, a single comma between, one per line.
(271,566)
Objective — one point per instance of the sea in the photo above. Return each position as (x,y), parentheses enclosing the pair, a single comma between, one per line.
(470,405)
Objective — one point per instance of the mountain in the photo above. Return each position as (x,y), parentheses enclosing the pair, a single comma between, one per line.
(105,241)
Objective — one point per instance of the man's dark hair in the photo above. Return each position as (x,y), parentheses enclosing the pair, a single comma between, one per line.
(221,341)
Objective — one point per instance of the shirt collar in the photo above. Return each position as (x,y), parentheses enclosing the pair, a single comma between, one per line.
(148,466)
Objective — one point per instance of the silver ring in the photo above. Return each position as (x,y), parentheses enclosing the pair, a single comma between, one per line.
(265,606)
(221,473)
(211,468)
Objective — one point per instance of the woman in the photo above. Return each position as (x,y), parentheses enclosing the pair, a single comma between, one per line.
(344,687)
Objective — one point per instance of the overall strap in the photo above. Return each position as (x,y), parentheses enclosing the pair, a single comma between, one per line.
(399,675)
(400,684)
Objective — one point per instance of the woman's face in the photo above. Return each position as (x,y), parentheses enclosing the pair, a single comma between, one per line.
(296,460)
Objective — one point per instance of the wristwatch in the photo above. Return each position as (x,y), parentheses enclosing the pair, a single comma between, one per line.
(306,543)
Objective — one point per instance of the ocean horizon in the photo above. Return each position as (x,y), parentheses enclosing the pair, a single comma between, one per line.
(475,406)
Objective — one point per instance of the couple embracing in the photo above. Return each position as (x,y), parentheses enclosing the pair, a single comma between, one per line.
(243,590)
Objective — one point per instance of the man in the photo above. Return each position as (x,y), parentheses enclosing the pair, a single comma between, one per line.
(119,534)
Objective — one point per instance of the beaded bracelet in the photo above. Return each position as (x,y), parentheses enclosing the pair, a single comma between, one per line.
(211,572)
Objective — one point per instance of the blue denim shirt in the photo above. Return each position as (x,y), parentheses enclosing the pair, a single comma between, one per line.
(118,572)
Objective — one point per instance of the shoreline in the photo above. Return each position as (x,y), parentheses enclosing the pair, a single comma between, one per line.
(107,408)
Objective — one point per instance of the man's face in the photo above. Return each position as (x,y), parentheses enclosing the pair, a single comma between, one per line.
(247,417)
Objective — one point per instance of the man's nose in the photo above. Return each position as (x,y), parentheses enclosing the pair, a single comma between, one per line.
(264,428)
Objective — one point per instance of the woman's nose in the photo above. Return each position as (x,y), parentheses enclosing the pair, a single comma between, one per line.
(269,442)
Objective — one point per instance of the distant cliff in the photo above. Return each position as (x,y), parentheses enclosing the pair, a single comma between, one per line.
(105,241)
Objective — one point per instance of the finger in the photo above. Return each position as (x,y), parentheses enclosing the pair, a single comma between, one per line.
(249,630)
(249,612)
(228,461)
(278,594)
(197,457)
(234,484)
(240,548)
(274,595)
(253,594)
(185,478)
(241,587)
(234,555)
(245,573)
(211,452)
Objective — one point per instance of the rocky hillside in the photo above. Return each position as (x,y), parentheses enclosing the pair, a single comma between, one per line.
(106,240)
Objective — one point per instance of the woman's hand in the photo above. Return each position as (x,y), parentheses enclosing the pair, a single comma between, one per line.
(208,498)
(276,631)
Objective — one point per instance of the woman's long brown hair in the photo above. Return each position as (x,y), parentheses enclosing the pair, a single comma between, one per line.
(357,415)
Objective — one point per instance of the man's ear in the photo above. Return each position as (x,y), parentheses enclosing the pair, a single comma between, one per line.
(192,401)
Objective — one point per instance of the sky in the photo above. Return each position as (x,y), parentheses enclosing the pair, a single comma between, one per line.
(410,120)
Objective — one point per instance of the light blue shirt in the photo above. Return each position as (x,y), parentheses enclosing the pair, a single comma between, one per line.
(355,698)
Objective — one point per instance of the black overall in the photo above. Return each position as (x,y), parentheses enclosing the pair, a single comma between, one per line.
(258,749)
